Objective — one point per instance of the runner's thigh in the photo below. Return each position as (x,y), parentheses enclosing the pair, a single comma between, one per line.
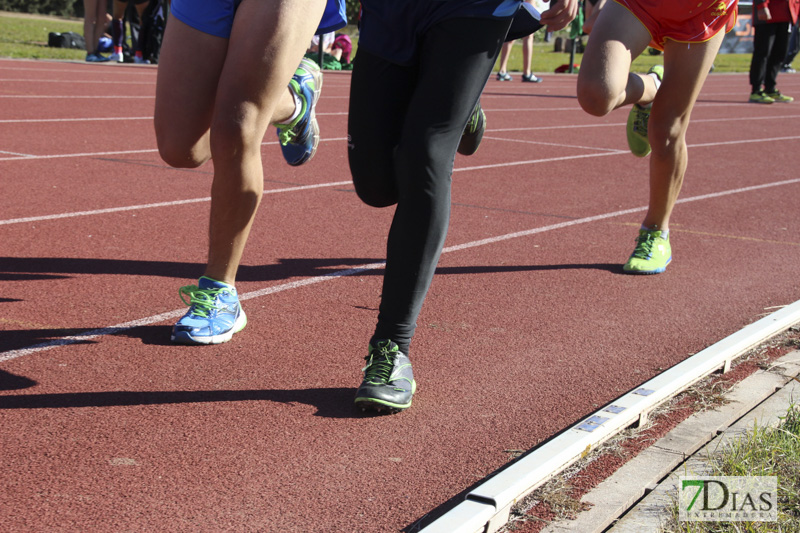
(268,40)
(189,68)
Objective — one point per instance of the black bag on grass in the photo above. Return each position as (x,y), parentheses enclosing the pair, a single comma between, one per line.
(68,39)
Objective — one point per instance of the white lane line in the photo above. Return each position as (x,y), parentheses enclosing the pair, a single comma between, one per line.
(13,354)
(16,154)
(333,184)
(559,145)
(97,119)
(160,204)
(586,220)
(137,71)
(73,81)
(111,330)
(75,97)
(612,152)
(725,143)
(101,119)
(85,154)
(126,152)
(620,124)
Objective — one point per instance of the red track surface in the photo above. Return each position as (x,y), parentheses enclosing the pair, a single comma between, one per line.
(529,326)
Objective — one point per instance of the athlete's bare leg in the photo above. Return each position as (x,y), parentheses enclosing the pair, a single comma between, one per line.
(685,70)
(605,81)
(215,98)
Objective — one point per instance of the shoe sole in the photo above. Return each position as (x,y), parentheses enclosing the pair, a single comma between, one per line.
(238,325)
(371,404)
(633,139)
(380,406)
(647,272)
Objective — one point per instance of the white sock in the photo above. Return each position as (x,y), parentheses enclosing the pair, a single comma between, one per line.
(298,107)
(658,84)
(655,77)
(664,232)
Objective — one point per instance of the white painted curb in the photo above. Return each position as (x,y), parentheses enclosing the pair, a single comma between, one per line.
(487,508)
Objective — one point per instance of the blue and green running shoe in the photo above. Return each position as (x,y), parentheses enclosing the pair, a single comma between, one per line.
(214,314)
(299,139)
(638,120)
(651,255)
(388,383)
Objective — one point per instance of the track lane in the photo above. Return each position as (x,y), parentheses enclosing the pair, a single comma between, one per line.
(519,336)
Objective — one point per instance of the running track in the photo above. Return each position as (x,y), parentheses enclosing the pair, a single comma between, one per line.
(529,326)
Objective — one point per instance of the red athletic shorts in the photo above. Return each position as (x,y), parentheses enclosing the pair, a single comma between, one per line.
(685,21)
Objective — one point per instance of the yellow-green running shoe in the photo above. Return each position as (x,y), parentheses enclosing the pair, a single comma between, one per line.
(760,97)
(638,119)
(651,255)
(778,97)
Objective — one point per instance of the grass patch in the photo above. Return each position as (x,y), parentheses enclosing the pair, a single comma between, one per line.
(545,59)
(765,451)
(25,36)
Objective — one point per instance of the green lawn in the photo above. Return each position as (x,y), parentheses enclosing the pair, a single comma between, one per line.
(23,36)
(26,36)
(545,59)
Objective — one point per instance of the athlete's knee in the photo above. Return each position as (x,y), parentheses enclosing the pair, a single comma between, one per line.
(178,153)
(373,178)
(666,134)
(233,137)
(595,97)
(376,198)
(373,190)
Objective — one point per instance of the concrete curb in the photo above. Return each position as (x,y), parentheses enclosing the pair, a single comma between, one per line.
(752,400)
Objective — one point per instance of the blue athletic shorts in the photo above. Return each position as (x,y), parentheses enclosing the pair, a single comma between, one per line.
(215,17)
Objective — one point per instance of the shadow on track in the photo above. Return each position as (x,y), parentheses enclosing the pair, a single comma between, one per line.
(329,402)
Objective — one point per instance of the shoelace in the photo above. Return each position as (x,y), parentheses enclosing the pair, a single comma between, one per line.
(286,134)
(644,246)
(641,121)
(200,300)
(379,366)
(472,125)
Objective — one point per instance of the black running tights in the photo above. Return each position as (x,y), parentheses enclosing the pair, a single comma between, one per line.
(404,126)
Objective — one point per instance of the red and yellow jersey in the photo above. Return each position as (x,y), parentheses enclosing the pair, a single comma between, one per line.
(686,21)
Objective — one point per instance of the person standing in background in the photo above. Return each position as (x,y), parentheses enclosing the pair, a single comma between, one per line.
(118,29)
(94,20)
(771,22)
(527,55)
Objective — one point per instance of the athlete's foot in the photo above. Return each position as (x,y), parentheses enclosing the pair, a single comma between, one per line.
(299,138)
(652,253)
(214,313)
(638,120)
(473,133)
(388,383)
